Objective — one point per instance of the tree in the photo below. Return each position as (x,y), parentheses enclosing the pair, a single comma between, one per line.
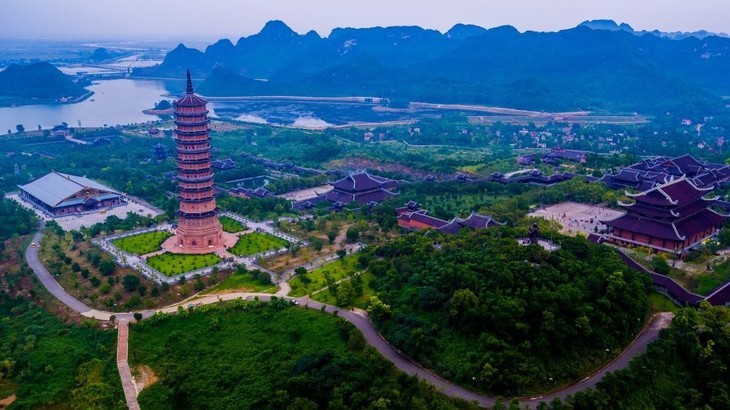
(352,234)
(317,244)
(107,267)
(331,236)
(20,128)
(137,316)
(300,271)
(130,282)
(341,253)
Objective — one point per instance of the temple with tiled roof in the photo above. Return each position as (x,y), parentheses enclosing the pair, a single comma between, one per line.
(652,172)
(474,221)
(361,187)
(672,217)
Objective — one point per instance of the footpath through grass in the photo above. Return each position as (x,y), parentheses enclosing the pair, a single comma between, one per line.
(143,243)
(268,356)
(256,242)
(318,278)
(231,225)
(172,264)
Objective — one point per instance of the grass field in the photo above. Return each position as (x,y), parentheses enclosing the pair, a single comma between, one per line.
(172,264)
(143,243)
(231,225)
(242,283)
(661,303)
(337,269)
(707,282)
(256,242)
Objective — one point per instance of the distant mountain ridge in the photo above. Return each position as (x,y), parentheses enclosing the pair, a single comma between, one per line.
(673,35)
(598,65)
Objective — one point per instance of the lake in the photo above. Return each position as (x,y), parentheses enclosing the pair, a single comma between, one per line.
(114,102)
(120,102)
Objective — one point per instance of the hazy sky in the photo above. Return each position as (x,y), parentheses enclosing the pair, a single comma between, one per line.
(213,19)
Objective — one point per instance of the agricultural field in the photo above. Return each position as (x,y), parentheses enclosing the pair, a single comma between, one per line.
(323,276)
(143,243)
(172,264)
(231,225)
(256,242)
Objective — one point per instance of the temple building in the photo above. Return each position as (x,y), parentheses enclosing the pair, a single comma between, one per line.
(58,194)
(361,187)
(672,217)
(412,217)
(198,230)
(652,172)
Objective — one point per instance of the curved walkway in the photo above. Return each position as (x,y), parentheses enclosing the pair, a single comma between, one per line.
(361,320)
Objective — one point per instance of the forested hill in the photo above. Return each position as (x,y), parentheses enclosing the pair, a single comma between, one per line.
(40,81)
(578,68)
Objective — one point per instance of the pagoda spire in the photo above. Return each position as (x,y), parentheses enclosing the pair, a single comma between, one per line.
(189,88)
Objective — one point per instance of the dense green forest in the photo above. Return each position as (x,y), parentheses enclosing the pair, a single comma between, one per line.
(269,356)
(486,312)
(686,368)
(16,220)
(48,364)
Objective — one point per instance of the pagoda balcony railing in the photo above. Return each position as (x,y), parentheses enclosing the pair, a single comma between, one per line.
(195,200)
(194,123)
(188,161)
(202,170)
(193,151)
(182,189)
(198,215)
(189,179)
(188,112)
(199,139)
(191,133)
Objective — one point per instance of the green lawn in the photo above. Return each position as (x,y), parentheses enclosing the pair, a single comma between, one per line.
(172,264)
(256,242)
(336,270)
(143,243)
(243,282)
(231,225)
(707,282)
(268,356)
(661,303)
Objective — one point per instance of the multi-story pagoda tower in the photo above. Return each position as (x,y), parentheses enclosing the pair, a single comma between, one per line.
(199,230)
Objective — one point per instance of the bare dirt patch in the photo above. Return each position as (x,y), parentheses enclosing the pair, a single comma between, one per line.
(375,166)
(4,403)
(144,377)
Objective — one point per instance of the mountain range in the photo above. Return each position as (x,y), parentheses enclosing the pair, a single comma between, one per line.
(598,65)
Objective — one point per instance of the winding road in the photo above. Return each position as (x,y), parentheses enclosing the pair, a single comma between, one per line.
(361,320)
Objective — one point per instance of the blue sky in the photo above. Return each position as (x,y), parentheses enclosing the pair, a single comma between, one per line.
(213,19)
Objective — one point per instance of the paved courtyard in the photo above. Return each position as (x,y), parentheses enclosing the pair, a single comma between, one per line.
(576,218)
(69,223)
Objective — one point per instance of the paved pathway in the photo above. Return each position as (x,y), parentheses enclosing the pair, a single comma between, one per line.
(358,318)
(130,391)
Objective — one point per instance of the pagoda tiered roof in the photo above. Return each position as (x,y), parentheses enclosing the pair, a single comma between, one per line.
(651,172)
